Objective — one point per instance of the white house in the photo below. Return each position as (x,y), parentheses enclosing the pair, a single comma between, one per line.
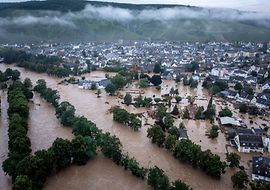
(261,169)
(249,142)
(267,143)
(266,86)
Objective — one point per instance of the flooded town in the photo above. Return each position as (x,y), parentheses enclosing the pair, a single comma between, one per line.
(186,80)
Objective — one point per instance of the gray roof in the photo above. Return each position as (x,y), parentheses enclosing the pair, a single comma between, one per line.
(261,166)
(253,141)
(183,133)
(229,121)
(104,82)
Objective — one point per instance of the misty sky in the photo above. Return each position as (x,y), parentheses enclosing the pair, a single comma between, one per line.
(251,5)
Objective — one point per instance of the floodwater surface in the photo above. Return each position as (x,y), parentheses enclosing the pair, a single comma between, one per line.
(101,173)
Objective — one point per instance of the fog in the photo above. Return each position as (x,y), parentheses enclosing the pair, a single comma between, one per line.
(126,15)
(52,24)
(245,5)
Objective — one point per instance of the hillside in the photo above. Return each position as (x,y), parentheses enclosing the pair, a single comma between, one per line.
(75,21)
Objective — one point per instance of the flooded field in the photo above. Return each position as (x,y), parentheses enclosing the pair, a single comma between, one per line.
(43,126)
(99,173)
(93,175)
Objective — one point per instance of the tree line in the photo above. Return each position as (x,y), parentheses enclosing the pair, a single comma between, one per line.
(123,116)
(37,63)
(187,151)
(108,144)
(19,144)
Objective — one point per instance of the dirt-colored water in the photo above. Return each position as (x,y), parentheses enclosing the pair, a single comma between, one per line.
(43,125)
(5,181)
(99,173)
(136,143)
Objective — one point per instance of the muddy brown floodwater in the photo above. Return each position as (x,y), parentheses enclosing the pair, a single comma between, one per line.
(101,173)
(5,181)
(43,125)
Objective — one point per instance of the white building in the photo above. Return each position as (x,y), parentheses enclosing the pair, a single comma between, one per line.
(249,143)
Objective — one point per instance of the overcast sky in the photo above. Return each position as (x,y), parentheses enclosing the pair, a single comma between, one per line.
(251,5)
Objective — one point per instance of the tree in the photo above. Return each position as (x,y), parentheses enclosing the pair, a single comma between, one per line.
(111,147)
(144,83)
(22,182)
(175,110)
(66,113)
(226,112)
(191,100)
(62,152)
(186,81)
(210,112)
(41,85)
(98,93)
(134,122)
(253,110)
(111,89)
(243,108)
(157,100)
(93,86)
(161,111)
(249,90)
(157,68)
(119,81)
(156,80)
(128,99)
(186,114)
(193,66)
(174,131)
(199,113)
(213,132)
(168,121)
(233,159)
(15,75)
(182,125)
(194,84)
(84,127)
(158,179)
(170,142)
(178,79)
(81,150)
(27,83)
(179,185)
(178,99)
(238,86)
(120,115)
(156,134)
(254,73)
(132,165)
(240,179)
(260,186)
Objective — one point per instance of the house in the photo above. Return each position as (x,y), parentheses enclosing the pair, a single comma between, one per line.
(85,84)
(103,83)
(263,103)
(266,85)
(255,131)
(228,94)
(249,142)
(182,134)
(229,121)
(244,97)
(261,169)
(168,75)
(267,143)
